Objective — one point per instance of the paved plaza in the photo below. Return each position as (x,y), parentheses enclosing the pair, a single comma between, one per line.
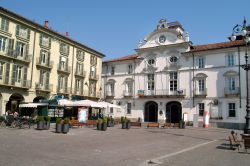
(119,147)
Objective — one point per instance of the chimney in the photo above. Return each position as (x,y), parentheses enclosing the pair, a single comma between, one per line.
(67,34)
(46,24)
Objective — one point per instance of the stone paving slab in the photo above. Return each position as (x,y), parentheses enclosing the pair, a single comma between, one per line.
(87,146)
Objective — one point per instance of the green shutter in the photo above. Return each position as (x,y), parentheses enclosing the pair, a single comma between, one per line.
(10,47)
(48,59)
(58,84)
(13,80)
(41,38)
(40,58)
(49,42)
(25,73)
(7,73)
(47,81)
(66,84)
(26,55)
(28,34)
(61,47)
(17,29)
(67,49)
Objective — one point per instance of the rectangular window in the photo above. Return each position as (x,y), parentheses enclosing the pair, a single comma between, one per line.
(230,60)
(18,74)
(20,49)
(4,25)
(231,110)
(92,72)
(64,48)
(61,78)
(112,88)
(42,77)
(201,109)
(3,43)
(201,62)
(129,108)
(201,85)
(78,67)
(173,81)
(78,85)
(151,83)
(63,61)
(1,70)
(130,69)
(232,83)
(45,40)
(112,70)
(93,60)
(130,87)
(111,110)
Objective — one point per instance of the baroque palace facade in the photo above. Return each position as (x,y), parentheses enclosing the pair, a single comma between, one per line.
(169,77)
(38,63)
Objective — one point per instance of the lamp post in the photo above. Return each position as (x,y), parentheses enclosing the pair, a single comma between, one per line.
(244,32)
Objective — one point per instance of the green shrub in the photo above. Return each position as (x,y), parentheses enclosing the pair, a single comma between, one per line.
(99,120)
(47,118)
(58,120)
(123,119)
(105,120)
(40,119)
(66,121)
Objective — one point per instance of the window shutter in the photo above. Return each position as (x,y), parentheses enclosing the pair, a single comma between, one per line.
(226,60)
(26,50)
(7,73)
(48,59)
(67,49)
(28,34)
(66,84)
(47,80)
(41,56)
(13,80)
(2,24)
(58,84)
(17,29)
(10,47)
(41,77)
(41,39)
(61,47)
(49,42)
(25,83)
(234,60)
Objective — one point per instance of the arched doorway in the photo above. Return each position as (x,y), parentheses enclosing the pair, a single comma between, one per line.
(13,104)
(173,112)
(151,112)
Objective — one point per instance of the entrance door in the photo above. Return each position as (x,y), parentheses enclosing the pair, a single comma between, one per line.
(173,112)
(151,112)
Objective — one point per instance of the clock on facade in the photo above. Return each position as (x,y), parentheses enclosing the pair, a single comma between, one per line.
(162,39)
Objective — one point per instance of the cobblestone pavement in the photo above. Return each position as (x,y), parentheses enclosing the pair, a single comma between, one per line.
(118,147)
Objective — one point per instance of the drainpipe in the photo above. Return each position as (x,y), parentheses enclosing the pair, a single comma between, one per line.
(239,75)
(193,79)
(34,45)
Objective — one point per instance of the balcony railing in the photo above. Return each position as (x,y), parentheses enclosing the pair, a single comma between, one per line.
(66,69)
(65,90)
(230,91)
(16,55)
(46,87)
(80,73)
(48,64)
(22,83)
(162,92)
(110,93)
(127,94)
(93,76)
(198,92)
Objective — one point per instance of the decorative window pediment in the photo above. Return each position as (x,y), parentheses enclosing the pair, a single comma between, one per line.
(200,75)
(230,73)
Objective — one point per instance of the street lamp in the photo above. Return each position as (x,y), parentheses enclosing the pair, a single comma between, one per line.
(244,32)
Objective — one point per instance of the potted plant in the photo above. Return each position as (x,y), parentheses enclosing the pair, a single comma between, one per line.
(65,128)
(99,124)
(104,124)
(182,124)
(40,122)
(112,122)
(109,121)
(127,124)
(123,120)
(58,125)
(47,122)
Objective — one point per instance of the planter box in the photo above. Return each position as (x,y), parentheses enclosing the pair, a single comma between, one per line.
(47,125)
(65,128)
(58,128)
(104,126)
(40,125)
(99,126)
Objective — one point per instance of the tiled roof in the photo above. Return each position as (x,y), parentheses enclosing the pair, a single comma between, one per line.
(49,29)
(214,46)
(124,58)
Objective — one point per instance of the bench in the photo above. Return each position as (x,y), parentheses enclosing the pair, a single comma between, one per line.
(176,125)
(75,122)
(153,124)
(167,125)
(91,123)
(137,124)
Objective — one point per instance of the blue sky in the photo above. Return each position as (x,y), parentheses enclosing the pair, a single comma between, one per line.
(114,27)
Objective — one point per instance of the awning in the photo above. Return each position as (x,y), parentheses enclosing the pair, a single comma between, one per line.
(106,104)
(32,105)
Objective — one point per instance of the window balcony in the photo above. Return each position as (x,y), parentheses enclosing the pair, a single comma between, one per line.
(8,82)
(127,94)
(95,95)
(93,76)
(79,92)
(110,94)
(12,54)
(200,93)
(229,91)
(63,90)
(46,87)
(64,69)
(80,73)
(47,64)
(162,93)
